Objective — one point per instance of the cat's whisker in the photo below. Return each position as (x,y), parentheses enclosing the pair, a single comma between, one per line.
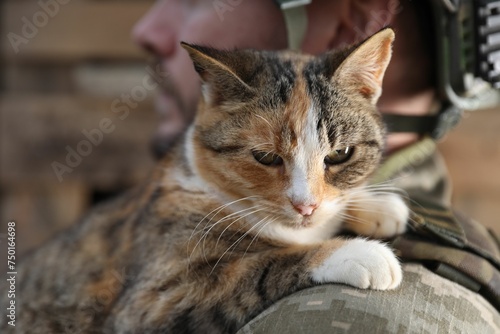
(362,203)
(255,225)
(395,179)
(241,217)
(236,213)
(373,197)
(370,199)
(374,191)
(227,227)
(268,144)
(362,198)
(277,211)
(243,227)
(264,224)
(234,244)
(357,209)
(274,206)
(219,209)
(346,216)
(384,183)
(360,206)
(204,236)
(388,183)
(265,120)
(215,212)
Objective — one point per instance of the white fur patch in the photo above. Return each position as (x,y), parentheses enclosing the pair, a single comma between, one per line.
(363,264)
(304,158)
(379,215)
(206,92)
(192,183)
(301,236)
(299,191)
(327,221)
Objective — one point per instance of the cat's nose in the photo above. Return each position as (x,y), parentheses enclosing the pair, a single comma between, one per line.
(305,210)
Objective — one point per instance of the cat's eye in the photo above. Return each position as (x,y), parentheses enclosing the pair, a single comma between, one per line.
(338,157)
(267,158)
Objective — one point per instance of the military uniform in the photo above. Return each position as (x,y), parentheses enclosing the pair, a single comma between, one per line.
(451,281)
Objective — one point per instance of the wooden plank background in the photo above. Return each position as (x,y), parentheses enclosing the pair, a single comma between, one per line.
(61,82)
(65,79)
(472,154)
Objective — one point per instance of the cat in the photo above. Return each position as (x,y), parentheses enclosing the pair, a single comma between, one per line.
(241,212)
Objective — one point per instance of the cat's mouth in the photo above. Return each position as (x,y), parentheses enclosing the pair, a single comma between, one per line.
(299,222)
(305,221)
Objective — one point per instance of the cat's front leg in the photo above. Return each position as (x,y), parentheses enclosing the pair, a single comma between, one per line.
(361,263)
(377,215)
(365,264)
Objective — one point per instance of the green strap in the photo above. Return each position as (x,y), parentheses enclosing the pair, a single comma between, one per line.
(295,16)
(403,159)
(409,123)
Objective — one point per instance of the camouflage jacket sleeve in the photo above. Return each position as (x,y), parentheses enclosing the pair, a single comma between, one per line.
(454,247)
(451,245)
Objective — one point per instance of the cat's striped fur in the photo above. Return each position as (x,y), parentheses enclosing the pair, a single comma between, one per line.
(215,236)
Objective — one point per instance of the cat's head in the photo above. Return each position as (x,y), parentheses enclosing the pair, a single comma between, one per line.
(290,133)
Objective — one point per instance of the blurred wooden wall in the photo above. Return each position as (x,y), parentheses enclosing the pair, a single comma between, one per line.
(62,81)
(472,154)
(65,79)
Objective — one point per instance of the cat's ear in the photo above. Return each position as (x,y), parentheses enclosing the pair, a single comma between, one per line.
(222,73)
(365,67)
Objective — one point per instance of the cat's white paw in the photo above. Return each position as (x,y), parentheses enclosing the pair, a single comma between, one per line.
(381,216)
(361,263)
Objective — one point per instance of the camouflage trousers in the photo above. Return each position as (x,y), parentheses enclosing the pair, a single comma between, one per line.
(424,303)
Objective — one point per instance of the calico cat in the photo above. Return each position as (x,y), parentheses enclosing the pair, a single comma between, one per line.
(241,212)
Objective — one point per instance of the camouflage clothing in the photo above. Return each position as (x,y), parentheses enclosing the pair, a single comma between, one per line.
(425,303)
(451,279)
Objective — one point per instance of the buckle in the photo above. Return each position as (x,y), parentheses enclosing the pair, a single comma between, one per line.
(447,120)
(287,4)
(295,16)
